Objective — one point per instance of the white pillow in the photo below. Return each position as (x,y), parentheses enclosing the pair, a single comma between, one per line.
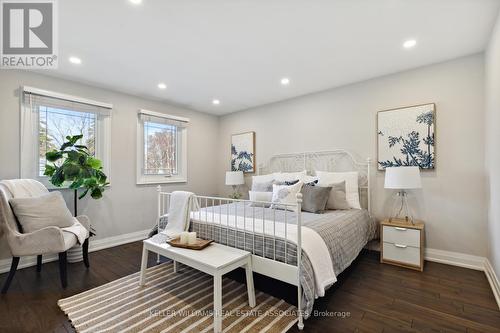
(290,176)
(308,179)
(40,212)
(286,195)
(263,178)
(260,196)
(351,184)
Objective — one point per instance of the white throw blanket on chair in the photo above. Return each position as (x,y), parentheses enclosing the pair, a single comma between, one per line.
(181,204)
(29,188)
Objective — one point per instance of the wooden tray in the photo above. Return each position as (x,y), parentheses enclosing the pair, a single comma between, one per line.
(199,245)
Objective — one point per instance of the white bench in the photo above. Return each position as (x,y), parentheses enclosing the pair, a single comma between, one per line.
(216,260)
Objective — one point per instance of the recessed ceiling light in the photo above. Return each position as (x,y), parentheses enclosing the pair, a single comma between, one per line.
(136,2)
(285,81)
(75,60)
(162,85)
(215,102)
(409,43)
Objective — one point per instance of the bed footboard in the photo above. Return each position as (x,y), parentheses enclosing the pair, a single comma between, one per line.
(276,246)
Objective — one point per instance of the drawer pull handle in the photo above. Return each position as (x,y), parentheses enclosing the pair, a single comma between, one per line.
(400,246)
(401,229)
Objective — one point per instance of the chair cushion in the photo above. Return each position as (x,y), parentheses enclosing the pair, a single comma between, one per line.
(40,212)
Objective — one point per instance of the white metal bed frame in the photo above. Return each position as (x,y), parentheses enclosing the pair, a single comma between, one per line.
(335,160)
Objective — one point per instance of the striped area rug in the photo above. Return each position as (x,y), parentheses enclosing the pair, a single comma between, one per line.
(174,302)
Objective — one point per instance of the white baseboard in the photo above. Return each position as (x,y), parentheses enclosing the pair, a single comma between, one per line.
(94,245)
(493,279)
(455,259)
(466,261)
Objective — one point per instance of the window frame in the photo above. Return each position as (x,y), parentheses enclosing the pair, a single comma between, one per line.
(30,129)
(181,151)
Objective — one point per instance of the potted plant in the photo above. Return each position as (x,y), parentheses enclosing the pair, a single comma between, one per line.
(72,165)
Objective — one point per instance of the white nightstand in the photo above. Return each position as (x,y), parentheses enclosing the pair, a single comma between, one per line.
(402,243)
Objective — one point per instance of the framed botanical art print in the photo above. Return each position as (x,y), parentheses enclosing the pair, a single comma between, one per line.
(243,152)
(406,137)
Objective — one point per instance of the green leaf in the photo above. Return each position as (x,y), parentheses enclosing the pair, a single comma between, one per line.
(76,184)
(101,177)
(70,170)
(73,139)
(57,178)
(96,193)
(90,182)
(49,170)
(65,145)
(74,155)
(94,163)
(53,155)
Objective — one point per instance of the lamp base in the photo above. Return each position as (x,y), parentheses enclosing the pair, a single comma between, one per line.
(401,211)
(236,193)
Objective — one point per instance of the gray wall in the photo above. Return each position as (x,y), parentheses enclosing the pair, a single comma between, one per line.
(125,207)
(493,143)
(453,199)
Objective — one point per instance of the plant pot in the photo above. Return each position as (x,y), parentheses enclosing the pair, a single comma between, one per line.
(75,254)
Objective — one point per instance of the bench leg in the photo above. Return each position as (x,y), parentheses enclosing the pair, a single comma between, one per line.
(175,266)
(144,266)
(217,303)
(250,287)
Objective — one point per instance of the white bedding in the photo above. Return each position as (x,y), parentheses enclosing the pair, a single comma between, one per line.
(312,243)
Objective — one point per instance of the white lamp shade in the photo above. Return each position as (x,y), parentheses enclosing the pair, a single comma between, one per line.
(402,178)
(234,178)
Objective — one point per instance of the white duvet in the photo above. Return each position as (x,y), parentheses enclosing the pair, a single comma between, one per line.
(312,243)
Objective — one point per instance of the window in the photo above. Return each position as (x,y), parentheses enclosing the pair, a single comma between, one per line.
(48,117)
(55,124)
(161,148)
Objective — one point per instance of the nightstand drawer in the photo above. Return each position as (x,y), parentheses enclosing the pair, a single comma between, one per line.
(401,235)
(401,253)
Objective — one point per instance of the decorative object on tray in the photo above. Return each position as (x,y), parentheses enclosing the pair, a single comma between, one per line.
(235,179)
(243,152)
(406,137)
(402,178)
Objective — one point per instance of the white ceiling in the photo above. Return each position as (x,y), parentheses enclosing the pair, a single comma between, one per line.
(237,51)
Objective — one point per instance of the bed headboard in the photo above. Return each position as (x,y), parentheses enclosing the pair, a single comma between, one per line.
(339,160)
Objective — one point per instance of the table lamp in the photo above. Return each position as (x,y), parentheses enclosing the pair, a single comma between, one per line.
(235,179)
(402,179)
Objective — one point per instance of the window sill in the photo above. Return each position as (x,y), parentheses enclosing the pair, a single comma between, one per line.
(161,181)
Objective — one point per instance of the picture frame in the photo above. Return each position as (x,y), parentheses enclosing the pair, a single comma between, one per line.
(243,152)
(406,137)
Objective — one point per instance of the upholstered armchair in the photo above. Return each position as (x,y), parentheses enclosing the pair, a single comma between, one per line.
(48,240)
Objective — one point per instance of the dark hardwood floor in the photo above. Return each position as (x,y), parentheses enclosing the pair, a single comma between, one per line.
(369,296)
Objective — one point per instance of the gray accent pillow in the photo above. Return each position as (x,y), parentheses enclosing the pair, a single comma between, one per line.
(40,212)
(337,198)
(262,187)
(314,198)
